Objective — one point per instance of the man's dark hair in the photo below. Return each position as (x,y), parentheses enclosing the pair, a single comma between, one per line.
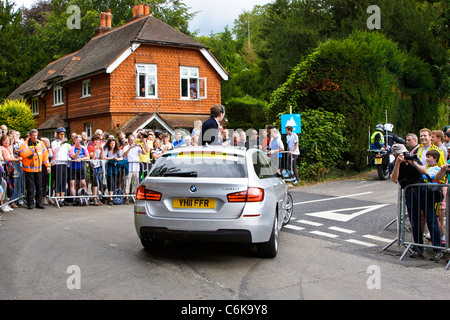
(216,110)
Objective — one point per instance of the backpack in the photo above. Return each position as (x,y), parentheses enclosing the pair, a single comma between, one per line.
(118,200)
(82,201)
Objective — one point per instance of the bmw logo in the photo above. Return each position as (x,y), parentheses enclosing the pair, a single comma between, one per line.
(193,188)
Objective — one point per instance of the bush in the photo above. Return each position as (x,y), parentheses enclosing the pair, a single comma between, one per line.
(246,113)
(16,115)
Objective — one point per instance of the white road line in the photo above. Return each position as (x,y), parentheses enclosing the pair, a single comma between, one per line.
(311,223)
(325,234)
(361,243)
(290,226)
(341,230)
(368,236)
(334,198)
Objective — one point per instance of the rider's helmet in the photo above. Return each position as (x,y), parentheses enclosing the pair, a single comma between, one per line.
(389,127)
(379,127)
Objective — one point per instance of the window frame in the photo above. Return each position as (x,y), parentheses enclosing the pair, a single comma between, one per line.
(35,106)
(58,95)
(148,74)
(86,84)
(189,74)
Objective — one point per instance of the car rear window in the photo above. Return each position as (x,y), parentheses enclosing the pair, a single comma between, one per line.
(203,164)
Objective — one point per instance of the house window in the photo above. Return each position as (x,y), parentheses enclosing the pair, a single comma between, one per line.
(192,86)
(86,88)
(57,95)
(146,81)
(35,106)
(89,130)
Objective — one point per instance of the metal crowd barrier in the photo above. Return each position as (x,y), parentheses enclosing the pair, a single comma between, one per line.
(12,181)
(417,203)
(102,180)
(285,164)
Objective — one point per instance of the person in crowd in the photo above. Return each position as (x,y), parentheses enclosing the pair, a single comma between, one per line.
(10,160)
(77,170)
(188,140)
(157,151)
(447,143)
(210,128)
(112,152)
(15,142)
(253,141)
(45,175)
(437,138)
(406,173)
(121,139)
(426,144)
(412,143)
(60,149)
(146,140)
(166,145)
(34,154)
(276,147)
(96,154)
(429,173)
(179,141)
(131,153)
(264,140)
(294,151)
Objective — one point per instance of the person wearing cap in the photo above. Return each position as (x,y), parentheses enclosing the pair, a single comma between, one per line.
(408,172)
(60,149)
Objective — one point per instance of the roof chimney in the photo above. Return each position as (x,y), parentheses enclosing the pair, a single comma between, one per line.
(102,19)
(108,18)
(140,10)
(146,9)
(105,23)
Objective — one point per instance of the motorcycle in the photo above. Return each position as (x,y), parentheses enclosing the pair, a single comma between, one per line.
(381,159)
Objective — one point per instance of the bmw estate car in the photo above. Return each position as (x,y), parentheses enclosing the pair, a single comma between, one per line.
(213,193)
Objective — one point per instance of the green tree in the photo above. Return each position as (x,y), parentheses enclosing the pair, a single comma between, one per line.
(16,115)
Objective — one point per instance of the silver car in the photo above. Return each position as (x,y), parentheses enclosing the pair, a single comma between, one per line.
(213,193)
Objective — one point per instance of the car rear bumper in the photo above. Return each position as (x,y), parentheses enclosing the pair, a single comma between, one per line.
(220,235)
(251,229)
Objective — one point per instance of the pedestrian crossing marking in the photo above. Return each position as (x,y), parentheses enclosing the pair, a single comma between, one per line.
(341,230)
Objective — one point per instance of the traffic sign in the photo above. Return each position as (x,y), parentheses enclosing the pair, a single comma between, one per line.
(293,120)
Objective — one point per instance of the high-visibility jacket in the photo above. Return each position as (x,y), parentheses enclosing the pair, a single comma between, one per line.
(377,140)
(34,156)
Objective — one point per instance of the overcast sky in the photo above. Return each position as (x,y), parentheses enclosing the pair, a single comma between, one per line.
(213,15)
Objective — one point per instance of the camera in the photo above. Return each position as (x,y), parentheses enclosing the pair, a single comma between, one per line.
(144,134)
(408,156)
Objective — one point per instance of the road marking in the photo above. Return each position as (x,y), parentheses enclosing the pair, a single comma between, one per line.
(361,243)
(368,236)
(334,198)
(290,226)
(336,214)
(311,223)
(341,230)
(325,234)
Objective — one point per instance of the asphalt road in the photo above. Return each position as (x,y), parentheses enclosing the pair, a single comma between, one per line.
(331,250)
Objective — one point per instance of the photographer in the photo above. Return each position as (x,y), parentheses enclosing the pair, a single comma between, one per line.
(407,170)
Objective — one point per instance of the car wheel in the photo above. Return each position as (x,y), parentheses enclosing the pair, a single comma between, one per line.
(288,209)
(269,249)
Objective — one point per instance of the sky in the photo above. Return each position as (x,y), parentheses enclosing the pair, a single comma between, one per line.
(213,15)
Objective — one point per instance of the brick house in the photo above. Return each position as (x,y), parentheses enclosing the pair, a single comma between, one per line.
(143,74)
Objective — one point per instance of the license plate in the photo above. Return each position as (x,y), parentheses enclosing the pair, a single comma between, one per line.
(194,203)
(378,160)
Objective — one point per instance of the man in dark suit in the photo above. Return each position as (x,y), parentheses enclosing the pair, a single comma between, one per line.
(210,128)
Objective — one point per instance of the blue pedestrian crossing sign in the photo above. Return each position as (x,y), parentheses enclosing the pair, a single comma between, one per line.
(293,120)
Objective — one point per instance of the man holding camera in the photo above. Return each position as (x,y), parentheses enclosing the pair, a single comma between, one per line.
(407,170)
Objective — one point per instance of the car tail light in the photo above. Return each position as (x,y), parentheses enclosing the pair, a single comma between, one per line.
(250,195)
(145,194)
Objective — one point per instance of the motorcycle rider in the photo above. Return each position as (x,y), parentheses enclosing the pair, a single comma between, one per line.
(377,141)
